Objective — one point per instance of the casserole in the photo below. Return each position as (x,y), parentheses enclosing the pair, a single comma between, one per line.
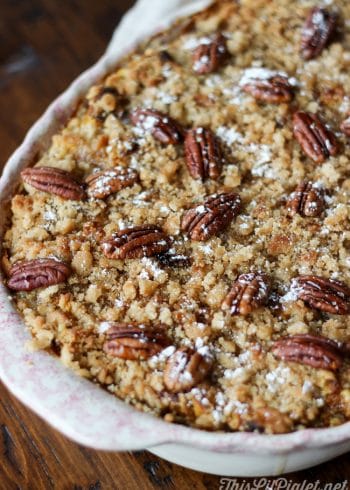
(92,417)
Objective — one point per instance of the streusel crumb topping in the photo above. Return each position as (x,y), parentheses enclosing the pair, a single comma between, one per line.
(184,242)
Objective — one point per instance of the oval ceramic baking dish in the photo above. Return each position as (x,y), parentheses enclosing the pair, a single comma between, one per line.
(90,415)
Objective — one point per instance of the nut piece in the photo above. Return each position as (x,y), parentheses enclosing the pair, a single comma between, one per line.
(203,154)
(274,90)
(132,341)
(317,141)
(345,126)
(160,125)
(317,32)
(207,58)
(136,242)
(208,219)
(185,369)
(171,259)
(248,292)
(322,294)
(102,184)
(37,273)
(307,200)
(312,350)
(54,181)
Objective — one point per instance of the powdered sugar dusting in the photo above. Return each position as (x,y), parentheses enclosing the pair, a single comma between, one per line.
(277,378)
(193,42)
(200,63)
(152,267)
(229,135)
(263,158)
(103,327)
(262,153)
(260,73)
(251,74)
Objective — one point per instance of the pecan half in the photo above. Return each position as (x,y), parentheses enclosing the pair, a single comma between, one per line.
(185,369)
(345,126)
(37,273)
(136,242)
(248,292)
(102,184)
(132,341)
(322,294)
(312,350)
(160,125)
(212,217)
(307,200)
(274,90)
(54,181)
(203,154)
(208,57)
(317,32)
(317,141)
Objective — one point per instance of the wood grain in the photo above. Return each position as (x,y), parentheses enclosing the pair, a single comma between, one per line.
(44,45)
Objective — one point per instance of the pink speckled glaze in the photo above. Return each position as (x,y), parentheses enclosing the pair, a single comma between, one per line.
(74,406)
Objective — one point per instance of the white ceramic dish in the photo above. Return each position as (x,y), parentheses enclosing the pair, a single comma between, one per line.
(91,416)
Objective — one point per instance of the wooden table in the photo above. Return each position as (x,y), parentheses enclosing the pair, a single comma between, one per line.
(44,45)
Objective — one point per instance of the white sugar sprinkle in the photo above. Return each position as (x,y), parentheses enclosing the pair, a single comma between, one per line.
(166,98)
(320,402)
(193,42)
(234,373)
(307,387)
(152,267)
(229,135)
(277,378)
(50,216)
(206,249)
(251,74)
(103,327)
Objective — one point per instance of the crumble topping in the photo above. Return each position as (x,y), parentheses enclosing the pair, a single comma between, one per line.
(146,320)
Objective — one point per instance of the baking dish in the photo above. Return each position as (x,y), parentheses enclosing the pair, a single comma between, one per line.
(88,414)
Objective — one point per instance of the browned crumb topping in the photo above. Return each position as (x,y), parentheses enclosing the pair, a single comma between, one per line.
(185,240)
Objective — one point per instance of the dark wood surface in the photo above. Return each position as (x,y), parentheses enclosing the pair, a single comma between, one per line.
(44,45)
